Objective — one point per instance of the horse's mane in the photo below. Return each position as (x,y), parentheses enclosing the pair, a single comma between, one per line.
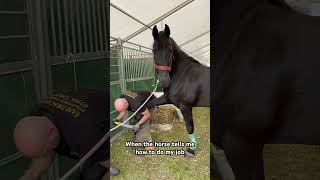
(181,52)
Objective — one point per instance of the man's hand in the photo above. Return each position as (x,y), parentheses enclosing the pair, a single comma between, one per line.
(136,128)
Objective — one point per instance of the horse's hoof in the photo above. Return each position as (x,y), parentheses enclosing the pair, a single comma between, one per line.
(189,153)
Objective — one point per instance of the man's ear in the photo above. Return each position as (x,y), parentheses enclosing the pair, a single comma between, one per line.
(51,133)
(127,104)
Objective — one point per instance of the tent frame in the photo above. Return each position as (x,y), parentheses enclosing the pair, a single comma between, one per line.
(157,20)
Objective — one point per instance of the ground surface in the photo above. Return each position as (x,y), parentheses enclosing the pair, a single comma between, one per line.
(292,162)
(166,167)
(282,162)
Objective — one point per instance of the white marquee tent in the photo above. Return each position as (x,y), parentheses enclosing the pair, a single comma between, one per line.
(189,21)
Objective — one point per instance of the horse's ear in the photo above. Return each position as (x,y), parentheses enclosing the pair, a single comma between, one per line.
(155,32)
(167,30)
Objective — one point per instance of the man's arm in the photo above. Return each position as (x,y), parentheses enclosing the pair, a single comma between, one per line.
(156,102)
(146,115)
(38,166)
(121,115)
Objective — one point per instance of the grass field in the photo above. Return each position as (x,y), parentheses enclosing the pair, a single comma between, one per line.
(282,162)
(292,162)
(166,167)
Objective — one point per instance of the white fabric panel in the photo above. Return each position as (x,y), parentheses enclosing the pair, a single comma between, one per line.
(185,24)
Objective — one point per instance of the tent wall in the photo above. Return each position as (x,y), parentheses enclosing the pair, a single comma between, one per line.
(47,47)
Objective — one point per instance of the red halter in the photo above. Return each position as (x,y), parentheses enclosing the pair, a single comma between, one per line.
(163,68)
(166,68)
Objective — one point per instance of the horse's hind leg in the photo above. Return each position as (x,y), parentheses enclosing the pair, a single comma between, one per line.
(187,116)
(245,158)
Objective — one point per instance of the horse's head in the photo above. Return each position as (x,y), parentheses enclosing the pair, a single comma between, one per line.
(163,54)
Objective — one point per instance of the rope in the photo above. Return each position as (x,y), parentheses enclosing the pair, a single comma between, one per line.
(74,70)
(25,88)
(103,139)
(74,73)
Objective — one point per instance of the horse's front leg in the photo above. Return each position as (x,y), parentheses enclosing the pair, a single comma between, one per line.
(157,102)
(245,157)
(187,116)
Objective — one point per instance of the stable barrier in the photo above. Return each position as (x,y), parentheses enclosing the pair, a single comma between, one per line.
(48,46)
(131,67)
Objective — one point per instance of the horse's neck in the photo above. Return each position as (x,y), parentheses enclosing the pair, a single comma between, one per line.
(229,12)
(230,19)
(180,57)
(183,63)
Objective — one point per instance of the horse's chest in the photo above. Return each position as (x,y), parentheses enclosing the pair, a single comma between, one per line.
(176,96)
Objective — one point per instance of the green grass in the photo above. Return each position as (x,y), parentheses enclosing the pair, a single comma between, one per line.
(166,167)
(292,162)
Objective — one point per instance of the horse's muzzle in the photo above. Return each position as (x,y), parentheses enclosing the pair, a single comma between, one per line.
(164,78)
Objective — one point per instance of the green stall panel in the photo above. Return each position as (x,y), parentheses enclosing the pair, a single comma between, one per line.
(14,170)
(62,77)
(143,84)
(13,50)
(12,5)
(18,96)
(14,41)
(17,25)
(89,74)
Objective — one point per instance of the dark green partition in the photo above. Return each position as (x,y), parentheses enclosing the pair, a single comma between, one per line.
(17,96)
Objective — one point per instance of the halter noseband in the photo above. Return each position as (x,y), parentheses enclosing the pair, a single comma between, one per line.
(163,68)
(166,68)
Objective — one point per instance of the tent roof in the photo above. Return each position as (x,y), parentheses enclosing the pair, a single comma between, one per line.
(189,22)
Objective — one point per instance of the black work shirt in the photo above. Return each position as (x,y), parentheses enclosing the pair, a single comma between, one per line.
(81,120)
(136,98)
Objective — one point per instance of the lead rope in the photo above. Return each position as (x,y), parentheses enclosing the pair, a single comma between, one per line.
(103,139)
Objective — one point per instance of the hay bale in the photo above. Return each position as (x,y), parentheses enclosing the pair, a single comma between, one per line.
(166,114)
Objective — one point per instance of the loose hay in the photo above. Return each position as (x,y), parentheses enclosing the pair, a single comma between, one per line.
(165,115)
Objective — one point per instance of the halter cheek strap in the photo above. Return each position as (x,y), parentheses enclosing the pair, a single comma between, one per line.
(166,68)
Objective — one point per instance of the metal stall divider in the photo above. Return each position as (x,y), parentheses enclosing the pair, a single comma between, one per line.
(134,66)
(55,41)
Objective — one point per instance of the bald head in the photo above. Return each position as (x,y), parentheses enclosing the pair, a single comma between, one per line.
(35,135)
(121,104)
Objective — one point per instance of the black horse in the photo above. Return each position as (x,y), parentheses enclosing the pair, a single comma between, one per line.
(185,82)
(266,80)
